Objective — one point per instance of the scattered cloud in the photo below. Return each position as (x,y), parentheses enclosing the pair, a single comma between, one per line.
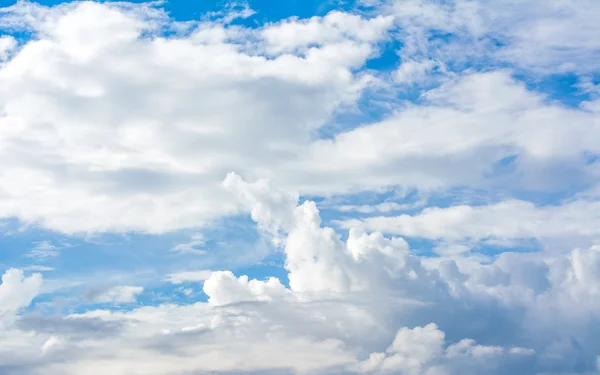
(189,276)
(381,207)
(119,294)
(191,247)
(38,268)
(43,250)
(119,121)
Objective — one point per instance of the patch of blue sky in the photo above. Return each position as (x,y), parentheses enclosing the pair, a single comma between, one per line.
(167,293)
(591,158)
(495,194)
(89,265)
(234,242)
(376,103)
(374,106)
(558,88)
(272,11)
(388,58)
(18,241)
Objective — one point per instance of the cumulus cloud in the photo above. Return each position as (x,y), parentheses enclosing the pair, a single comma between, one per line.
(111,126)
(116,118)
(224,288)
(364,305)
(17,291)
(134,137)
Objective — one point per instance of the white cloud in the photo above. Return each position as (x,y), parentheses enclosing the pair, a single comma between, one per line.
(43,250)
(422,350)
(412,72)
(120,294)
(38,268)
(135,137)
(460,136)
(189,276)
(573,222)
(50,344)
(551,36)
(586,85)
(191,247)
(513,314)
(548,37)
(137,133)
(223,288)
(335,27)
(7,44)
(381,207)
(17,291)
(110,126)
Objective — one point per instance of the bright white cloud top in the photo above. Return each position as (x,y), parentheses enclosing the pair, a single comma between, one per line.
(422,179)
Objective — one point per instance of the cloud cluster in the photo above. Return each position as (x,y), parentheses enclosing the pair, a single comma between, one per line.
(120,294)
(364,305)
(117,118)
(111,126)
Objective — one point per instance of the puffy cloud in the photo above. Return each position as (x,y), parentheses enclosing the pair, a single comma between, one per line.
(17,291)
(335,27)
(223,288)
(347,302)
(136,134)
(316,258)
(422,350)
(110,126)
(410,349)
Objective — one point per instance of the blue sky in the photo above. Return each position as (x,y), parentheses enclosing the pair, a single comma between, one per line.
(400,186)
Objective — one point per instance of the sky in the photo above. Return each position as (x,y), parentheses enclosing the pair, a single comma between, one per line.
(300,187)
